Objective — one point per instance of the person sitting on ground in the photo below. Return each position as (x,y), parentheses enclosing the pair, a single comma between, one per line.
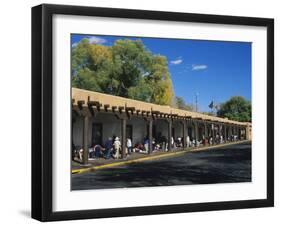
(117,147)
(98,150)
(193,143)
(108,148)
(80,153)
(211,141)
(92,152)
(138,147)
(179,142)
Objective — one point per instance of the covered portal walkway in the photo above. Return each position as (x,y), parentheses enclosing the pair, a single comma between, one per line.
(97,117)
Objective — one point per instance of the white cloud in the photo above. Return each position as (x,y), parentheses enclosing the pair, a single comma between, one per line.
(176,62)
(197,67)
(74,44)
(96,40)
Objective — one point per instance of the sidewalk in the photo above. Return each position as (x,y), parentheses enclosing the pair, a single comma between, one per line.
(139,157)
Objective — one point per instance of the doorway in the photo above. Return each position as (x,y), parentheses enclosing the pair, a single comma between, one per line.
(97,133)
(129,132)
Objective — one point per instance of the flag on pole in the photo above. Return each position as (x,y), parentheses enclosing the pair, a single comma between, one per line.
(211,105)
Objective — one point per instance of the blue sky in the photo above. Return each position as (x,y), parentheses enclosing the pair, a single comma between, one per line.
(214,70)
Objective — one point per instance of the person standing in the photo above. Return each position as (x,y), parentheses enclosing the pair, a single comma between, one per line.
(188,141)
(129,145)
(108,148)
(172,143)
(117,147)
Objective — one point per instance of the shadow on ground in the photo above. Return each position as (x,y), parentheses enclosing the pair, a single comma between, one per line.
(224,165)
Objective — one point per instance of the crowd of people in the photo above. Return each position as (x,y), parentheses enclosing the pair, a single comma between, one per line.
(112,148)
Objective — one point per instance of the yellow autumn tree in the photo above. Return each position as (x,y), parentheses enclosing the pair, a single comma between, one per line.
(163,92)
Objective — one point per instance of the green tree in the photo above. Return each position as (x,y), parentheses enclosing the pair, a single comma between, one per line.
(127,69)
(180,103)
(237,108)
(134,62)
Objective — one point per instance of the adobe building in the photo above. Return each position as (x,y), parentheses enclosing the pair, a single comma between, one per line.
(97,116)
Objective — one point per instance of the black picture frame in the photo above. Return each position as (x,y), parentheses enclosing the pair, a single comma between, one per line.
(42,111)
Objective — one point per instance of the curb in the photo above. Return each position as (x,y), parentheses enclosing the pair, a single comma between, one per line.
(148,158)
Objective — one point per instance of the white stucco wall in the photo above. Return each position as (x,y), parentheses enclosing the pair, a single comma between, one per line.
(112,127)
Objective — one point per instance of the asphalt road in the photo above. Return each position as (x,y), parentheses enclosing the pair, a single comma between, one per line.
(223,165)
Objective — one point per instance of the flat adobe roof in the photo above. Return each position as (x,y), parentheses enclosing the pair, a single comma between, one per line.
(84,96)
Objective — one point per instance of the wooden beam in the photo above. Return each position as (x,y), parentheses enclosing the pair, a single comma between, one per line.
(155,112)
(80,104)
(131,109)
(106,106)
(121,108)
(113,108)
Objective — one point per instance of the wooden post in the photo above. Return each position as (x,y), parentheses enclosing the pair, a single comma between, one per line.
(225,136)
(239,133)
(85,139)
(205,130)
(169,135)
(184,133)
(195,132)
(123,137)
(220,131)
(150,136)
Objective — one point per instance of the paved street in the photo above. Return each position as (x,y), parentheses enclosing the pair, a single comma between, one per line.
(222,165)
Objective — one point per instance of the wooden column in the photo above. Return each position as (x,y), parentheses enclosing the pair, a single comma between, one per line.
(239,133)
(85,139)
(205,131)
(225,136)
(220,130)
(169,134)
(196,132)
(184,133)
(150,125)
(123,137)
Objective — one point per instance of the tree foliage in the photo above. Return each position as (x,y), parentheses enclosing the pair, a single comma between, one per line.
(181,104)
(127,69)
(237,108)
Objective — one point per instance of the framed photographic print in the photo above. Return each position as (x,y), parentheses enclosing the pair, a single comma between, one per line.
(146,112)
